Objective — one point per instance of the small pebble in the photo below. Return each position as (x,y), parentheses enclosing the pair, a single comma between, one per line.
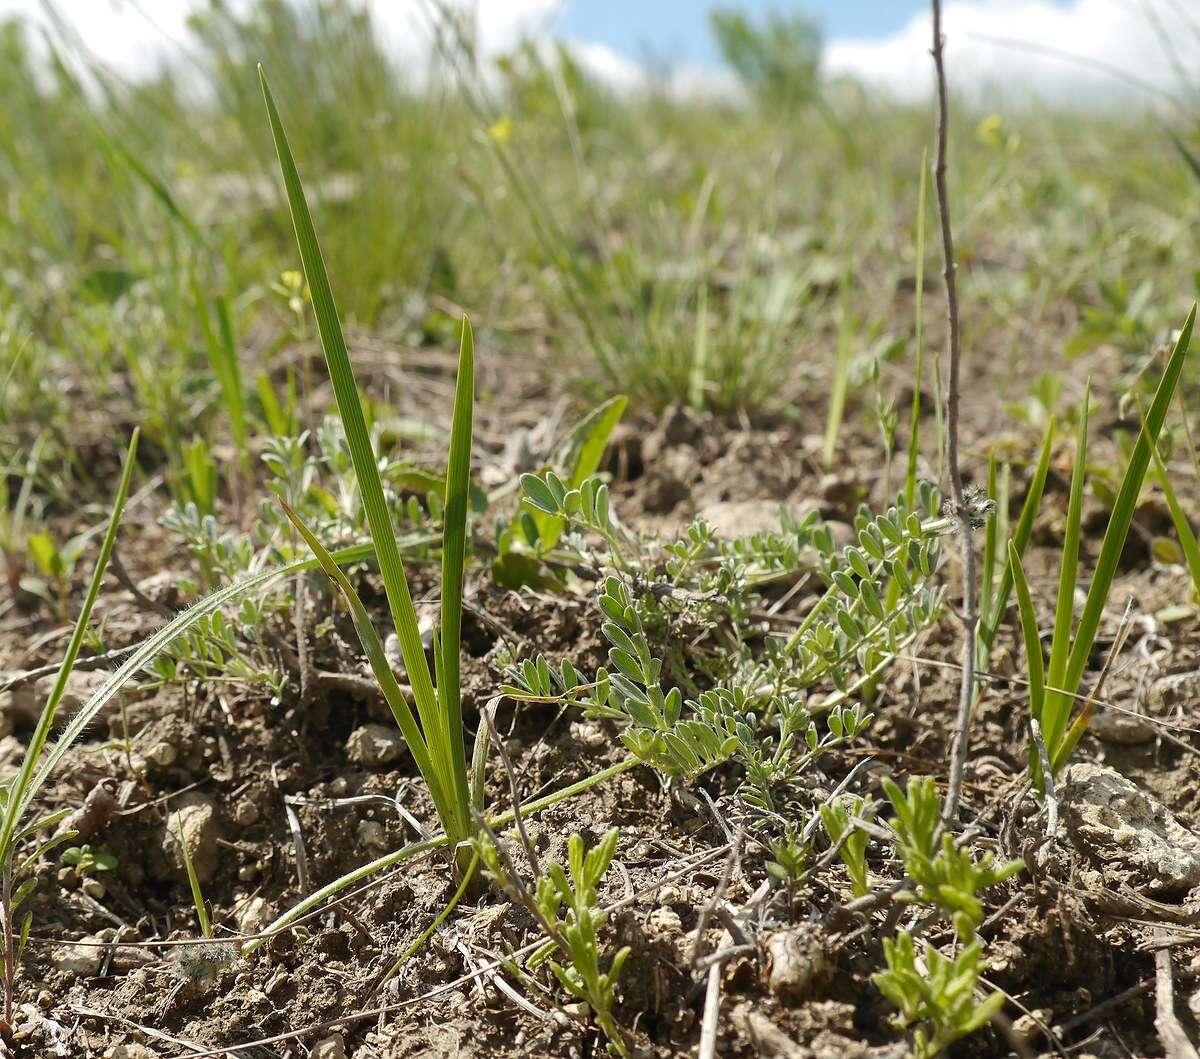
(372,835)
(253,916)
(332,1047)
(375,744)
(82,959)
(162,754)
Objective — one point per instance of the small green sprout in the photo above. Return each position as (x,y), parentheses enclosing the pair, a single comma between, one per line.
(838,820)
(566,906)
(572,905)
(936,996)
(87,861)
(946,877)
(1054,684)
(790,856)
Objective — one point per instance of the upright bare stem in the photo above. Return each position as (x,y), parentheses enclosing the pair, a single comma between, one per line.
(970,609)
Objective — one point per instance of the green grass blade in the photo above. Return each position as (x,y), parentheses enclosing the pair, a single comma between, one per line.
(990,623)
(987,580)
(1183,528)
(372,645)
(154,645)
(584,449)
(193,881)
(1029,630)
(398,856)
(222,357)
(1186,153)
(698,376)
(454,557)
(841,376)
(354,422)
(232,389)
(280,419)
(27,783)
(111,144)
(579,457)
(1058,706)
(1123,508)
(914,418)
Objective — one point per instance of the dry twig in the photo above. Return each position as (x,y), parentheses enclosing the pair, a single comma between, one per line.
(1171,1033)
(958,501)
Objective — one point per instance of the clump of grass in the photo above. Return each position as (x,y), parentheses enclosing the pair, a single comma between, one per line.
(436,742)
(1054,685)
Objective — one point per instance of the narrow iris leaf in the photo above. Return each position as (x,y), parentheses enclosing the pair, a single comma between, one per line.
(1126,502)
(1029,629)
(454,557)
(366,470)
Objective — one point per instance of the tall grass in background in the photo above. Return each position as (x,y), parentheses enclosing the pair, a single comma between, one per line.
(665,226)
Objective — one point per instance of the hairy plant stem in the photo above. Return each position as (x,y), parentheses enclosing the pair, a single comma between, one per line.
(970,608)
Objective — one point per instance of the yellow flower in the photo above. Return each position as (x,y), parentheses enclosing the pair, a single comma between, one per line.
(993,132)
(501,131)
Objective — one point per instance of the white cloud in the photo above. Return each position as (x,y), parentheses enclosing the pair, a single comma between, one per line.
(1002,48)
(130,40)
(683,81)
(135,35)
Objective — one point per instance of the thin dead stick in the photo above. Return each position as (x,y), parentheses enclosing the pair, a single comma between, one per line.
(712,1013)
(293,820)
(735,844)
(1105,1007)
(149,1031)
(1080,724)
(501,986)
(1171,1033)
(1005,1026)
(16,680)
(970,611)
(131,586)
(530,852)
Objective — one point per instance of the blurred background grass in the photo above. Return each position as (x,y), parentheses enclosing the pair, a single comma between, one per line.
(719,249)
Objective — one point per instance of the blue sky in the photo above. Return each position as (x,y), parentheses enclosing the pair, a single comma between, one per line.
(678,29)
